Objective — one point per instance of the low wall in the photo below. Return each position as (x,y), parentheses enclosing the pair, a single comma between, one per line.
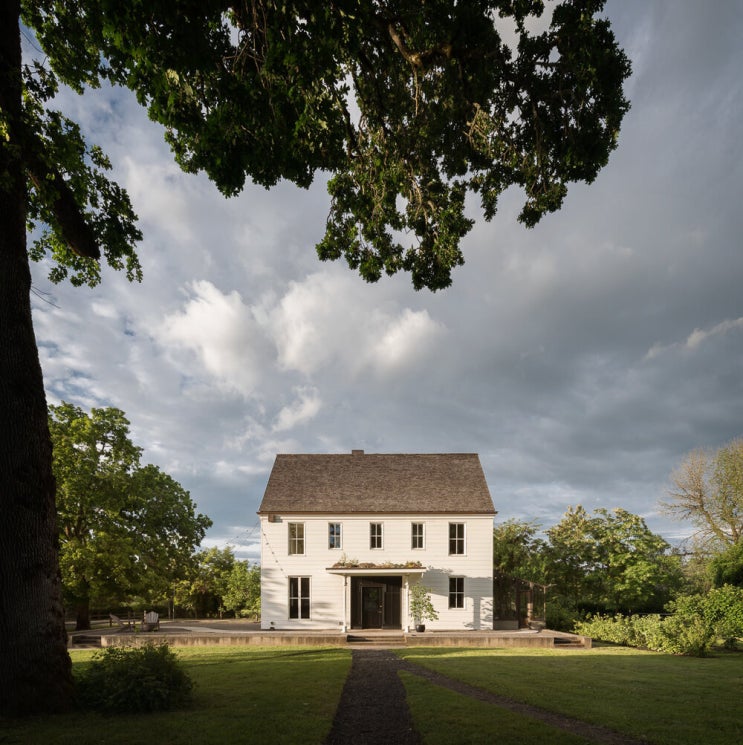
(270,639)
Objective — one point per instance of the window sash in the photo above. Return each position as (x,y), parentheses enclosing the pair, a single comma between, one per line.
(296,538)
(334,535)
(375,535)
(456,592)
(416,535)
(456,538)
(299,597)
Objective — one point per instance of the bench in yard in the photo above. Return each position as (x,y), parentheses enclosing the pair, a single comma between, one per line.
(124,623)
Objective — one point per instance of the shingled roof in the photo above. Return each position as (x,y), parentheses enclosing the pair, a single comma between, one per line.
(359,482)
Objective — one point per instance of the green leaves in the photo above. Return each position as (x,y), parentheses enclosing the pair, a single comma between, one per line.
(409,106)
(610,561)
(124,528)
(80,212)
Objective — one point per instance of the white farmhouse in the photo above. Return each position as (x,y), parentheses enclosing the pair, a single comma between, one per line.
(344,536)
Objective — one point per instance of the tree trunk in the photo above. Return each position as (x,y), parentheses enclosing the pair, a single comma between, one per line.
(36,671)
(82,616)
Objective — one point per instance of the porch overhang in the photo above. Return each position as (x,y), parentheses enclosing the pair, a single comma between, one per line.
(377,571)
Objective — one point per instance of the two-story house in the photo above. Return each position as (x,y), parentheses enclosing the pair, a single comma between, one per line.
(344,536)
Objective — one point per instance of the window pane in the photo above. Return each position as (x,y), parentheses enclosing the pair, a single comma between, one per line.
(334,535)
(296,538)
(456,592)
(375,535)
(456,538)
(417,535)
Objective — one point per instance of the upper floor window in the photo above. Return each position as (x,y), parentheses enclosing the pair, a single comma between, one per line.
(375,535)
(296,538)
(456,592)
(416,535)
(334,535)
(456,538)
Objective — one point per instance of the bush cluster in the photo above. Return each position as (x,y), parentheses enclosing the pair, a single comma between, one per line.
(695,623)
(135,679)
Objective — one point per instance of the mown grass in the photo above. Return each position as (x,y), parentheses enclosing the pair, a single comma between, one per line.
(280,695)
(444,717)
(661,698)
(287,695)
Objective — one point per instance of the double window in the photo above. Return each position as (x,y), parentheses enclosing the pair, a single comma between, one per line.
(456,538)
(456,592)
(299,597)
(334,535)
(416,535)
(296,538)
(375,535)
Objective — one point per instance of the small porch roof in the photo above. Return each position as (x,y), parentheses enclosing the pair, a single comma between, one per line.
(376,571)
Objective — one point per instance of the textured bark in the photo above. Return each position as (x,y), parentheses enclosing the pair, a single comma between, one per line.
(36,670)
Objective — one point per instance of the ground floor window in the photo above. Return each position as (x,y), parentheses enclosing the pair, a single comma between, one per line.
(299,597)
(456,592)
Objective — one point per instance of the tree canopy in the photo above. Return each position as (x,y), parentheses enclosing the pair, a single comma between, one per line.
(125,529)
(610,561)
(408,106)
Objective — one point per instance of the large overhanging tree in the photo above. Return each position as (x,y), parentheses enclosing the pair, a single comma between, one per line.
(408,105)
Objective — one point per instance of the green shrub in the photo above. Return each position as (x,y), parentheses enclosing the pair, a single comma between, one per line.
(560,616)
(131,680)
(695,624)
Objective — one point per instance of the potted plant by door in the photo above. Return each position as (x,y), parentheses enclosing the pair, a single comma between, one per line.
(421,607)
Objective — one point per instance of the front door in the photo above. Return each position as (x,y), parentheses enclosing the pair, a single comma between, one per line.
(372,607)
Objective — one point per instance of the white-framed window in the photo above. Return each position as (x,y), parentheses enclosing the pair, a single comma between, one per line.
(335,539)
(299,597)
(456,538)
(296,538)
(456,592)
(417,535)
(375,535)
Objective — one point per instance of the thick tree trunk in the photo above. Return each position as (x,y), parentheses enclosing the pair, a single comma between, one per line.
(35,667)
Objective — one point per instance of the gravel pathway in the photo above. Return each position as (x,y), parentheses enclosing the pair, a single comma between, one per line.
(373,709)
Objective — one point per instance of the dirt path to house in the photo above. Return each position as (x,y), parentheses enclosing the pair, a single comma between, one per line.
(373,709)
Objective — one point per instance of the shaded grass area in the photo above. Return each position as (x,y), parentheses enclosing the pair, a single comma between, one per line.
(444,717)
(279,695)
(664,699)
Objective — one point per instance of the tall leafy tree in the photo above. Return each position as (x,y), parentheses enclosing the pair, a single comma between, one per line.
(610,561)
(243,594)
(125,529)
(408,105)
(518,551)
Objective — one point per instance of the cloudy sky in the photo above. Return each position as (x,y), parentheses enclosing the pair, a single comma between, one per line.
(581,359)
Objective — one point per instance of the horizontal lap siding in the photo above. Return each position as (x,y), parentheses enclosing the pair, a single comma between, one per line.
(326,591)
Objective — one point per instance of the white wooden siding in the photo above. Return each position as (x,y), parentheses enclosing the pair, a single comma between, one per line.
(326,603)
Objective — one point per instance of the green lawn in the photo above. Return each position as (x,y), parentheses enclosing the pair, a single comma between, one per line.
(289,695)
(280,695)
(662,698)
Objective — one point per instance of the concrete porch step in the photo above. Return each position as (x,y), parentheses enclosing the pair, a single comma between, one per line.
(376,638)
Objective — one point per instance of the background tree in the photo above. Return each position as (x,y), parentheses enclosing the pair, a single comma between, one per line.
(726,568)
(122,526)
(264,90)
(243,594)
(610,561)
(708,492)
(203,592)
(518,552)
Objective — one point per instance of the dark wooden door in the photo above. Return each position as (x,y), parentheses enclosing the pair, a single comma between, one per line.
(372,607)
